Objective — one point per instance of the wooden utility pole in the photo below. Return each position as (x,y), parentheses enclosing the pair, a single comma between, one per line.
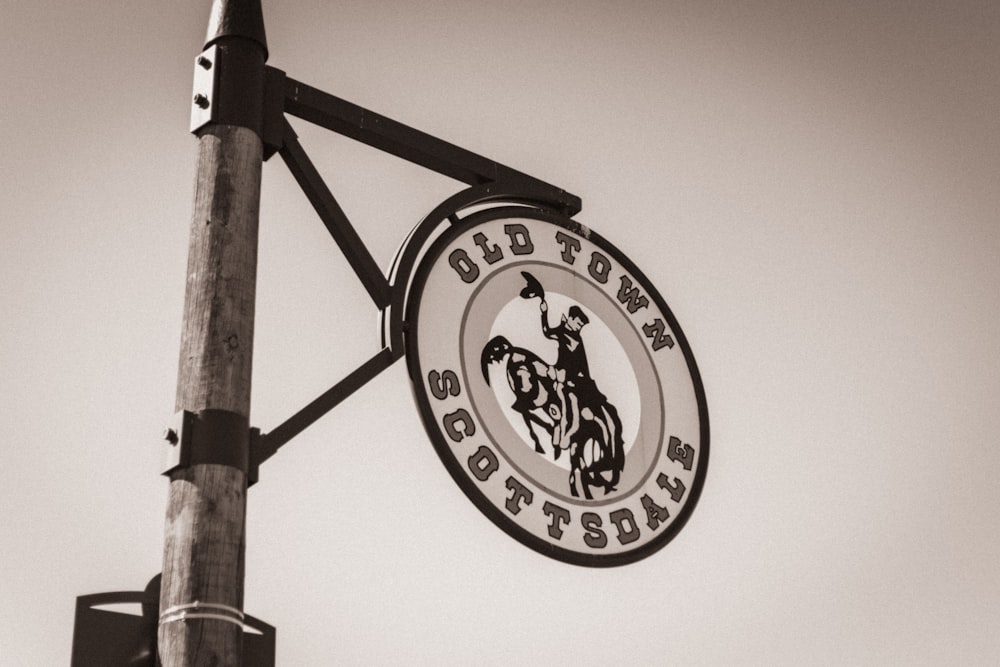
(201,601)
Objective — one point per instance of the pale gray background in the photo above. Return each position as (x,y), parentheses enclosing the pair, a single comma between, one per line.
(811,185)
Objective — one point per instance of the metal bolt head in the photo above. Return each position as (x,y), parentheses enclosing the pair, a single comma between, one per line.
(170,435)
(201,101)
(204,62)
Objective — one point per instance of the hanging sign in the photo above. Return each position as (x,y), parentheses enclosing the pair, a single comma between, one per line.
(556,386)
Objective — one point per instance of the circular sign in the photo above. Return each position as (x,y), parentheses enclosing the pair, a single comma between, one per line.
(556,386)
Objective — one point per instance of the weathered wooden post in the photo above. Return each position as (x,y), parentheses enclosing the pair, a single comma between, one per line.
(201,602)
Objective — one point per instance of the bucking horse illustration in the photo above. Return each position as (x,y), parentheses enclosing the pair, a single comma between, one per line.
(562,399)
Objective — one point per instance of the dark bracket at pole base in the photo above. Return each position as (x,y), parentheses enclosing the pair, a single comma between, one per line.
(116,638)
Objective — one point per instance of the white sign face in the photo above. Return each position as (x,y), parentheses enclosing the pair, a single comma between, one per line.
(557,386)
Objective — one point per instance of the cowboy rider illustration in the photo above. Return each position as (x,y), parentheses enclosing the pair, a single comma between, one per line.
(562,398)
(570,371)
(578,394)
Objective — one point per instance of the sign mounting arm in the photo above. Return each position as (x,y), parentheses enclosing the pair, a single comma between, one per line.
(385,134)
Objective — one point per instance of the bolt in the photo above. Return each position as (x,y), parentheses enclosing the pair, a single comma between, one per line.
(204,62)
(170,435)
(201,101)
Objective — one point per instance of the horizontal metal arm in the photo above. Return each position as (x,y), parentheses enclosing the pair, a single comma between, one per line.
(387,135)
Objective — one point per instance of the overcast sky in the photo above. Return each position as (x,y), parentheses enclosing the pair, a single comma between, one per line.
(812,187)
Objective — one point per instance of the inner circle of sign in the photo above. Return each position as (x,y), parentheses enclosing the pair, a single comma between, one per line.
(479,324)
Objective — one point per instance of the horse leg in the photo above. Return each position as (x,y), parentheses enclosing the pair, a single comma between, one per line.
(574,469)
(538,446)
(577,474)
(585,483)
(531,417)
(562,425)
(612,450)
(571,418)
(534,438)
(617,445)
(587,414)
(577,466)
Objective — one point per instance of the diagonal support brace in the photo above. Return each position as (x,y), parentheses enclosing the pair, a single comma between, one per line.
(334,218)
(264,445)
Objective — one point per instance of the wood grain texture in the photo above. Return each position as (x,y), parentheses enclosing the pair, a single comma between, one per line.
(217,338)
(203,561)
(204,537)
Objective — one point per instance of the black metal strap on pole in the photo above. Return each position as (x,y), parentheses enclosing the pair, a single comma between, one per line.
(207,436)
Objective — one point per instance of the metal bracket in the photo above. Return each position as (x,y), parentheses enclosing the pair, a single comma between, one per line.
(176,446)
(203,108)
(208,436)
(224,437)
(274,111)
(213,99)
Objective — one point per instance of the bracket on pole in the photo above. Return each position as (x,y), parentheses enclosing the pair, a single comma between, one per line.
(203,97)
(208,436)
(208,104)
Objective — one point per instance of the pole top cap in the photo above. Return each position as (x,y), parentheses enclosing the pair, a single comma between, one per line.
(237,18)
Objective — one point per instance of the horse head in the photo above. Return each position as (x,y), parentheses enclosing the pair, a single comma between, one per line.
(495,351)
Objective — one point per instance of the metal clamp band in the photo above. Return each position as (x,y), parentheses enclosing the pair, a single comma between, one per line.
(219,612)
(207,436)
